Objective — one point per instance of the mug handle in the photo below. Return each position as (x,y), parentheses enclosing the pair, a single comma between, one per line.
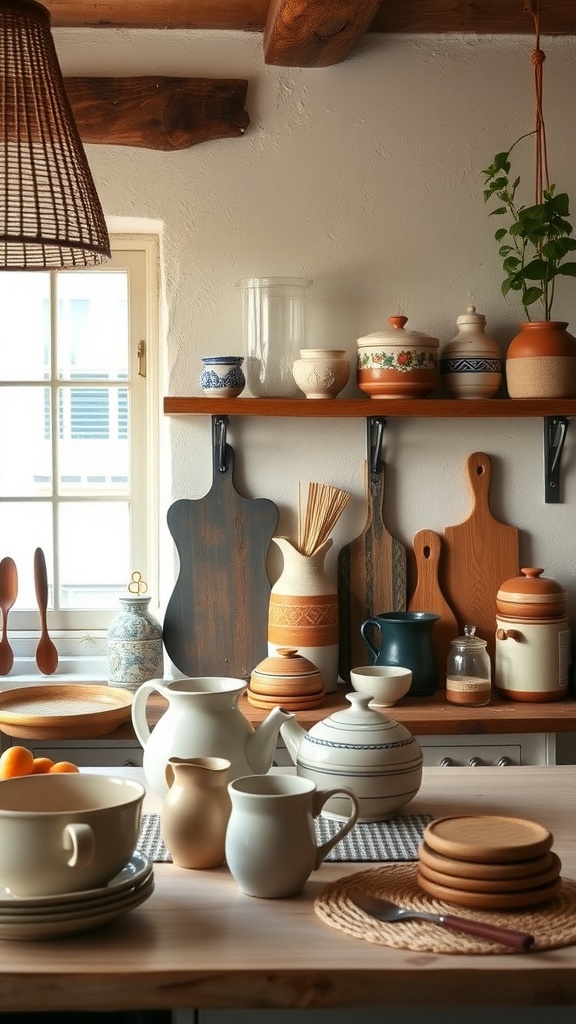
(321,797)
(138,710)
(79,839)
(367,640)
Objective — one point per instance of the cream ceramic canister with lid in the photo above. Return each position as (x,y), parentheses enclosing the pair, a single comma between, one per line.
(471,363)
(364,751)
(396,363)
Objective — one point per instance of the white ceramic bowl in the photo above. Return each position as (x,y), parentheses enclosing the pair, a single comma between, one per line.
(386,684)
(66,833)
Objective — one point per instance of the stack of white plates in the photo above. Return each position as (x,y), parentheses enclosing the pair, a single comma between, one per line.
(45,917)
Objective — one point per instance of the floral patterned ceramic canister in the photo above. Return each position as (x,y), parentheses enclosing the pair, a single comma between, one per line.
(134,644)
(395,363)
(471,363)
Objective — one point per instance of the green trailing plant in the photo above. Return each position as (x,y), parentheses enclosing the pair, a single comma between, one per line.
(535,245)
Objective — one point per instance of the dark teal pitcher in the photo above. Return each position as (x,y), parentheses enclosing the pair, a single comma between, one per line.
(406,640)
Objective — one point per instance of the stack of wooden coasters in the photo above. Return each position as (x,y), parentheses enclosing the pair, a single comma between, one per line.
(286,679)
(488,862)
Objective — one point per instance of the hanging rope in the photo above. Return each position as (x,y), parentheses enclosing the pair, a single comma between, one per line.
(537,58)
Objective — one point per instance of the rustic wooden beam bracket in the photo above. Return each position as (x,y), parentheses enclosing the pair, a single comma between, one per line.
(158,113)
(315,33)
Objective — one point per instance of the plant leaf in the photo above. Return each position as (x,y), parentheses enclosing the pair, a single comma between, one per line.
(531,295)
(567,269)
(535,270)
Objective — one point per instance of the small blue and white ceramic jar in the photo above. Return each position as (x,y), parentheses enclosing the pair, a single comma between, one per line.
(222,376)
(134,644)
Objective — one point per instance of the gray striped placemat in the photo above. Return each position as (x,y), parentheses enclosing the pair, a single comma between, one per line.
(396,839)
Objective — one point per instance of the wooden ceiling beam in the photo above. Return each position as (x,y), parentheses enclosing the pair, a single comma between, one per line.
(157,113)
(483,17)
(243,15)
(315,33)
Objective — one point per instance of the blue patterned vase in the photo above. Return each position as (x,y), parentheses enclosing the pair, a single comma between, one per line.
(222,376)
(134,644)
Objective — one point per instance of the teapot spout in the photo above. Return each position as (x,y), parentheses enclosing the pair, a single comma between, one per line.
(292,734)
(261,744)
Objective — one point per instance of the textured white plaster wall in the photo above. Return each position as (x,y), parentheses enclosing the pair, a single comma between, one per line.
(366,178)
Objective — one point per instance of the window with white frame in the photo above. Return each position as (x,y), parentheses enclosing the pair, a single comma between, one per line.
(78,408)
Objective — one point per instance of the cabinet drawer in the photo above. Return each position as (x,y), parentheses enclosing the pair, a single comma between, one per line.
(83,752)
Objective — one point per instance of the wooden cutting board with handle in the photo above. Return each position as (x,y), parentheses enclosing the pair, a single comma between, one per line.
(216,620)
(428,596)
(480,554)
(371,576)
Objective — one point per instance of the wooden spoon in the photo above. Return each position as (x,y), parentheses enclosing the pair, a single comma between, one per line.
(8,595)
(46,653)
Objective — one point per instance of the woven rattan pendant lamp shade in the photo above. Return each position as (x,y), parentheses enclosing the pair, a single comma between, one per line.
(50,214)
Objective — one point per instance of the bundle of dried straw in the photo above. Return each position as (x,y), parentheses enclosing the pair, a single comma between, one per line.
(324,506)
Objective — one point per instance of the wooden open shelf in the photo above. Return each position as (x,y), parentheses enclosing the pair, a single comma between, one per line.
(423,716)
(348,408)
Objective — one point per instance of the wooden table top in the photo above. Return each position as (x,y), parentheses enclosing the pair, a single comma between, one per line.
(199,942)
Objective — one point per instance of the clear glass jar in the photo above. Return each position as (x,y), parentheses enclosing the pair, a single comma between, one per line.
(468,672)
(273,326)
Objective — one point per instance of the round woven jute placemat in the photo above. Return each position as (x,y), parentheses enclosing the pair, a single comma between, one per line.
(552,924)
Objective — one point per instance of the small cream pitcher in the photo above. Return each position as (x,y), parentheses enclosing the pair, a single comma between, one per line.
(271,846)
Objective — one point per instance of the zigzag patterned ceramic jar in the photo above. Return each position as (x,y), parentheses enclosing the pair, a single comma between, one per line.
(471,363)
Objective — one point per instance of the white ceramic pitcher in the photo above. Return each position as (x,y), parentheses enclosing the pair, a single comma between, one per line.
(203,720)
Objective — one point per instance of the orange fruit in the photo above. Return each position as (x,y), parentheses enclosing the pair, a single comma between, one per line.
(42,765)
(16,761)
(64,766)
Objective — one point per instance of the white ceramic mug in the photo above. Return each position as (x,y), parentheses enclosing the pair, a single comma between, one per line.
(66,833)
(270,840)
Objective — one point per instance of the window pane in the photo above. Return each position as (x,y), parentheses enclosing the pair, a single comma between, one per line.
(93,447)
(94,553)
(25,335)
(93,325)
(23,528)
(25,455)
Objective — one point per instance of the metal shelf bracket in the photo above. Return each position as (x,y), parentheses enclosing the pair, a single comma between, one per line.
(374,433)
(555,429)
(219,425)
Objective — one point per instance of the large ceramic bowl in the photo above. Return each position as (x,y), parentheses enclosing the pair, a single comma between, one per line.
(395,363)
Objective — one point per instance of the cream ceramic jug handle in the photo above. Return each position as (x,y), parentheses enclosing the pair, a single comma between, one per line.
(321,797)
(79,839)
(140,699)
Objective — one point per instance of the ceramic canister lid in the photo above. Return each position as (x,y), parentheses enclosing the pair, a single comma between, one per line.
(531,595)
(396,335)
(471,339)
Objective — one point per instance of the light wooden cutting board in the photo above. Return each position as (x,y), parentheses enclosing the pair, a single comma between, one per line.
(480,554)
(428,596)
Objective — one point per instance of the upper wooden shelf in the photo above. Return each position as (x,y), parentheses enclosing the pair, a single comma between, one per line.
(348,408)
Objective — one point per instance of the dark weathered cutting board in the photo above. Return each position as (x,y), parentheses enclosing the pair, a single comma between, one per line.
(480,554)
(428,596)
(216,621)
(371,576)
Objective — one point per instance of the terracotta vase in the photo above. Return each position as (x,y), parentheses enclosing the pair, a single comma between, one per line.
(541,361)
(195,810)
(303,610)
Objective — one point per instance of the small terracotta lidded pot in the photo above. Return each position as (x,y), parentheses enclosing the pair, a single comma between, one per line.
(288,679)
(395,363)
(531,597)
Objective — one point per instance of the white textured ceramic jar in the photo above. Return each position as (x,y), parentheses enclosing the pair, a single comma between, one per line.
(274,331)
(471,363)
(395,363)
(532,660)
(321,372)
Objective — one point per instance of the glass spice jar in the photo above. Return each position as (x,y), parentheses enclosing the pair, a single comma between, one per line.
(468,672)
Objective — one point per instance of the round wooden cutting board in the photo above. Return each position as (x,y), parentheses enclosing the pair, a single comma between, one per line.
(488,838)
